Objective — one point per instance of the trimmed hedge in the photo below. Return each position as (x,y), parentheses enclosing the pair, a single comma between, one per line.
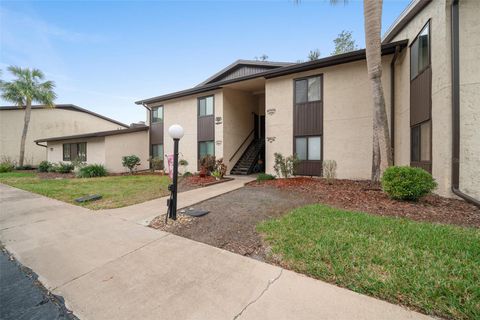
(264,176)
(91,171)
(407,183)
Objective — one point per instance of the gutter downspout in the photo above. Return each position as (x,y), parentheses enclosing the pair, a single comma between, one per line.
(456,107)
(392,102)
(149,132)
(41,145)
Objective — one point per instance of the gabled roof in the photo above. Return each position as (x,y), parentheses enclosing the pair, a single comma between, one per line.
(388,48)
(414,8)
(67,107)
(95,134)
(242,68)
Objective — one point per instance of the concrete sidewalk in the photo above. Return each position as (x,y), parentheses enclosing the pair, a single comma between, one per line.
(110,268)
(143,213)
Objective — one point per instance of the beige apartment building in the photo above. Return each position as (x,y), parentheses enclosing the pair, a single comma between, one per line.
(322,110)
(63,120)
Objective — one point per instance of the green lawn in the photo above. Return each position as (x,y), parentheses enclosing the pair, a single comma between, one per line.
(117,191)
(433,268)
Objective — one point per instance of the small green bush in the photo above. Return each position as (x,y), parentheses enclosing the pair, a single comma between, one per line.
(187,174)
(285,166)
(407,183)
(264,176)
(64,167)
(156,163)
(131,162)
(6,167)
(24,167)
(92,170)
(44,166)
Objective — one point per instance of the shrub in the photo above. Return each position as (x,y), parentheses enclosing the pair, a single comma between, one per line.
(207,164)
(221,168)
(330,170)
(131,162)
(24,167)
(64,167)
(156,163)
(44,166)
(285,167)
(407,183)
(187,174)
(92,170)
(183,162)
(6,167)
(264,176)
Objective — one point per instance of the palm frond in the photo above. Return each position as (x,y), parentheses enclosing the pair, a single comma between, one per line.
(38,74)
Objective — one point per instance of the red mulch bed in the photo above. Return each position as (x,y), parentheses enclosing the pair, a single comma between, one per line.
(363,196)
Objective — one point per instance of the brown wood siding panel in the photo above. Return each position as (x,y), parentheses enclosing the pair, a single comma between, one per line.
(427,166)
(420,97)
(156,133)
(308,119)
(206,128)
(242,72)
(309,168)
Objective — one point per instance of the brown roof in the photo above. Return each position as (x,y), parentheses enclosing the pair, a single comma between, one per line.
(388,48)
(67,107)
(95,134)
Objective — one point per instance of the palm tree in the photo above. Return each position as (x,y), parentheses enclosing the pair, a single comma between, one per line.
(381,147)
(25,89)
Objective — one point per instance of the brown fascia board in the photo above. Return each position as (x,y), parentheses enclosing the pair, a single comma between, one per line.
(68,107)
(388,48)
(95,134)
(403,21)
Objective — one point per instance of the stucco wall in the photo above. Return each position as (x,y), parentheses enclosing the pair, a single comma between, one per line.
(117,146)
(183,111)
(95,150)
(44,123)
(238,107)
(347,116)
(470,97)
(438,12)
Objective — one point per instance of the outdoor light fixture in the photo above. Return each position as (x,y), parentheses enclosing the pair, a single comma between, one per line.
(176,132)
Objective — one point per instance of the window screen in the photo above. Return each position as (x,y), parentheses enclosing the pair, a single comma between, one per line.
(314,148)
(206,148)
(420,52)
(157,151)
(301,148)
(157,114)
(66,152)
(301,89)
(205,106)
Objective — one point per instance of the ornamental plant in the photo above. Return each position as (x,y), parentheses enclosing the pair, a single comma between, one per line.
(131,162)
(407,183)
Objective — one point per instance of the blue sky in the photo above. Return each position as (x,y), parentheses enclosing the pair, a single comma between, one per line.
(104,55)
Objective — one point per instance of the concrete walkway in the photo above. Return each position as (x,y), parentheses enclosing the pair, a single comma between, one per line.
(143,213)
(111,268)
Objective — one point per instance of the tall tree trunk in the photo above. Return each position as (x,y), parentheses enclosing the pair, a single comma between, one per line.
(26,121)
(381,148)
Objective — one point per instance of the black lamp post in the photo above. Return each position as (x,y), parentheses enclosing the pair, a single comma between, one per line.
(176,132)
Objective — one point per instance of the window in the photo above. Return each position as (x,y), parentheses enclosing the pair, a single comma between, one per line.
(308,148)
(307,90)
(421,142)
(205,106)
(157,114)
(157,151)
(420,52)
(66,152)
(206,148)
(75,151)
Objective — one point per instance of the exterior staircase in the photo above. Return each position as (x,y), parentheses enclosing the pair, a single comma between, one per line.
(246,164)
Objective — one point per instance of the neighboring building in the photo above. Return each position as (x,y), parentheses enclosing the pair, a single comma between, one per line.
(104,147)
(64,119)
(323,109)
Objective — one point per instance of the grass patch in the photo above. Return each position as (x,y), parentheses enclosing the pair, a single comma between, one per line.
(117,191)
(433,268)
